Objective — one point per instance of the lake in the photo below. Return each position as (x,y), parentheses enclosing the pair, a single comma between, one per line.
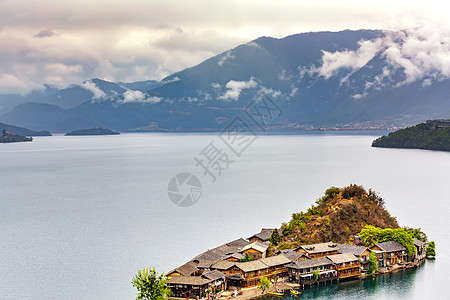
(80,215)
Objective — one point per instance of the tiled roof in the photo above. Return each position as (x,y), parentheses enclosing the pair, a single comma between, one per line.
(222,251)
(255,245)
(277,260)
(186,269)
(253,265)
(236,255)
(191,280)
(342,258)
(346,248)
(291,254)
(319,248)
(390,246)
(223,265)
(213,275)
(418,243)
(310,263)
(264,234)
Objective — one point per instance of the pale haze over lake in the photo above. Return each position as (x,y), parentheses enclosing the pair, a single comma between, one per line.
(80,215)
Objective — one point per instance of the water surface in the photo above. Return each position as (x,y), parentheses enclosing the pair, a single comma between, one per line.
(80,215)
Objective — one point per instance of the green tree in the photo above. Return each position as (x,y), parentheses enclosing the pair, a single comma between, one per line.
(264,284)
(246,258)
(275,237)
(150,285)
(316,273)
(418,234)
(373,265)
(370,235)
(3,131)
(431,250)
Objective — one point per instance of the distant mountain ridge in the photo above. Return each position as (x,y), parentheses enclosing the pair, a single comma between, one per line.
(346,79)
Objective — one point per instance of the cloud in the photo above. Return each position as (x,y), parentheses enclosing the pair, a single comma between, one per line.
(416,53)
(271,92)
(224,57)
(44,33)
(424,52)
(234,88)
(96,91)
(143,40)
(133,96)
(11,84)
(332,62)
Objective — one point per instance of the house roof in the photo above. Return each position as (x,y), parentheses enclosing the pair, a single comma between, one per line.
(275,260)
(319,248)
(222,251)
(223,265)
(264,234)
(186,269)
(253,265)
(213,275)
(236,276)
(342,258)
(291,254)
(236,255)
(346,248)
(390,246)
(257,246)
(204,264)
(310,263)
(418,243)
(190,280)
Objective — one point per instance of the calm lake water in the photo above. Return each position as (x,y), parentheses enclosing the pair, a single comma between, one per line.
(80,215)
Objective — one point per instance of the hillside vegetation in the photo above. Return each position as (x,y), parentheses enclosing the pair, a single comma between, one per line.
(337,216)
(421,136)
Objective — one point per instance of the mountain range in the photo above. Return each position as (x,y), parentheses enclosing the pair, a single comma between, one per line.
(347,79)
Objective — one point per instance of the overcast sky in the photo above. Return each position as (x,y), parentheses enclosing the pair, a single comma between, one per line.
(61,42)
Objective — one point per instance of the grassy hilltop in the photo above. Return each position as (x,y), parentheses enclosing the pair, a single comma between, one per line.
(340,213)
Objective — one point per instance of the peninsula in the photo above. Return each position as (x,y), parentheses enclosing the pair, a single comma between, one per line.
(93,131)
(22,131)
(8,137)
(432,135)
(347,234)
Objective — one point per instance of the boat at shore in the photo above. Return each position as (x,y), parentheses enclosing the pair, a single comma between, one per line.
(276,293)
(295,293)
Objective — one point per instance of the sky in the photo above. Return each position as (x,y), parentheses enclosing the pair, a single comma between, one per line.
(64,42)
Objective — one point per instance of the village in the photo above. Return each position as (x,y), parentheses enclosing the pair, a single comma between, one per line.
(234,269)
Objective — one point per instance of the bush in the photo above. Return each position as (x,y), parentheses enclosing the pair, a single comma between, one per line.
(431,250)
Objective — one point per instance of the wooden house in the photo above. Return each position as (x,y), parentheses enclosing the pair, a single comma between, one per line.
(188,286)
(247,274)
(263,236)
(361,252)
(235,257)
(346,264)
(188,269)
(421,248)
(256,250)
(303,272)
(389,253)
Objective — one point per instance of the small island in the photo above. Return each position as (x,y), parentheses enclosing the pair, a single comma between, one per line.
(432,135)
(7,137)
(347,234)
(93,131)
